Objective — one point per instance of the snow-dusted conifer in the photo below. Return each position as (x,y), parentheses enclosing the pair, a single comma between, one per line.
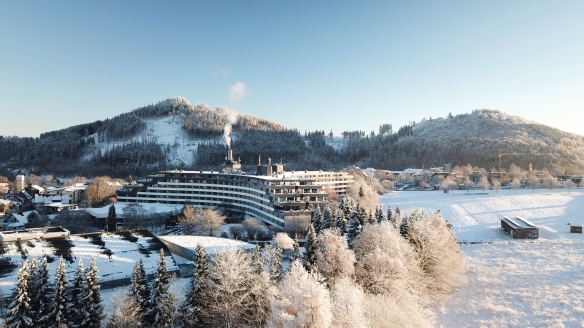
(295,252)
(326,219)
(273,260)
(309,258)
(58,317)
(125,312)
(303,301)
(111,222)
(77,311)
(370,218)
(19,315)
(92,297)
(316,220)
(139,291)
(341,222)
(379,215)
(196,298)
(41,293)
(390,216)
(397,218)
(161,300)
(354,228)
(360,213)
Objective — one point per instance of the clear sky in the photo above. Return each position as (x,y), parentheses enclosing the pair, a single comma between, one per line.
(306,64)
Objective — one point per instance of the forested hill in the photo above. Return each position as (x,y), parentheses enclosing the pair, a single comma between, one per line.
(475,138)
(175,134)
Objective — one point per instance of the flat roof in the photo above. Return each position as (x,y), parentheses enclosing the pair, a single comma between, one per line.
(519,222)
(211,244)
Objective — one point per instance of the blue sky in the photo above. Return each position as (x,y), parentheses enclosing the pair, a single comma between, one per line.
(306,64)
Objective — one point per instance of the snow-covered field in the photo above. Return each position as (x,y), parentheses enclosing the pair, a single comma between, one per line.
(112,266)
(511,283)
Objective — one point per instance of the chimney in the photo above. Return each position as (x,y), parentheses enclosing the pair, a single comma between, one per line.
(229,155)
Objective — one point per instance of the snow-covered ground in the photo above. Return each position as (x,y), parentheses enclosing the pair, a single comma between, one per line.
(119,264)
(511,283)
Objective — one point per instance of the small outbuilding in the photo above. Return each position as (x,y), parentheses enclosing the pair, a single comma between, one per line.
(519,228)
(575,228)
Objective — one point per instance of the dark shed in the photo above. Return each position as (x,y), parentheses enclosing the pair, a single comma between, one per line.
(519,228)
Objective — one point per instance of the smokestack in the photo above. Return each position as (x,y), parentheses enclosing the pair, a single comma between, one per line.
(229,155)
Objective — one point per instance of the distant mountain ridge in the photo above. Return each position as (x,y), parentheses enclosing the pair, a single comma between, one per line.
(176,134)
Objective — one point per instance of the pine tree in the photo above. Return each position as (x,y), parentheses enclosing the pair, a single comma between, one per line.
(379,215)
(171,220)
(111,223)
(309,258)
(316,219)
(397,218)
(195,300)
(41,293)
(360,213)
(161,300)
(77,310)
(370,218)
(341,222)
(59,315)
(140,291)
(19,314)
(326,222)
(92,297)
(390,217)
(275,264)
(403,227)
(295,252)
(354,228)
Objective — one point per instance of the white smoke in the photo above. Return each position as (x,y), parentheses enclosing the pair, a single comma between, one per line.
(230,118)
(237,92)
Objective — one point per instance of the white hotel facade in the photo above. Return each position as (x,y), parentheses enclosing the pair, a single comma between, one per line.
(276,197)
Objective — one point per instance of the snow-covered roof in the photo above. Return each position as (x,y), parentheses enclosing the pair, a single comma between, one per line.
(211,244)
(413,171)
(519,222)
(102,212)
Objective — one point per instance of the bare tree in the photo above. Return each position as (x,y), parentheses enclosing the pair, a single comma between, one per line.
(496,186)
(99,191)
(515,184)
(252,226)
(484,183)
(34,179)
(467,184)
(199,221)
(569,184)
(533,183)
(134,215)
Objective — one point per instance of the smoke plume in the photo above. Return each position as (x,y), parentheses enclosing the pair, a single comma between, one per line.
(230,118)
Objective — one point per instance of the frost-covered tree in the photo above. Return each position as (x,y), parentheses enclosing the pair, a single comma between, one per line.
(302,301)
(162,306)
(125,312)
(515,184)
(283,241)
(569,184)
(348,304)
(196,300)
(390,216)
(386,263)
(496,186)
(272,256)
(58,317)
(484,183)
(311,247)
(111,222)
(438,254)
(334,258)
(354,228)
(139,291)
(92,297)
(20,314)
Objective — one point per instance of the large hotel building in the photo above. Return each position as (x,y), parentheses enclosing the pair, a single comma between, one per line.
(277,197)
